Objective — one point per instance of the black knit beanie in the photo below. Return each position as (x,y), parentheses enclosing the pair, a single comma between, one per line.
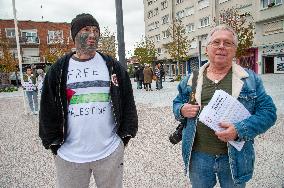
(82,20)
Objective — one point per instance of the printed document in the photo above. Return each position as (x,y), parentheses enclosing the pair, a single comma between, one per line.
(224,108)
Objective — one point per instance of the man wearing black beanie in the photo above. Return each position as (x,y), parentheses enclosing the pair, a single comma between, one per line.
(87,112)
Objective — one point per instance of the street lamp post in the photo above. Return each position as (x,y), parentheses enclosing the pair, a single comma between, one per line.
(120,32)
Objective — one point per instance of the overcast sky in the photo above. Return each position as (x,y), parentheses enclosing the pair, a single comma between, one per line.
(66,10)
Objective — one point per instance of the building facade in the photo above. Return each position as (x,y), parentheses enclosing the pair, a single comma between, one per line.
(266,55)
(35,38)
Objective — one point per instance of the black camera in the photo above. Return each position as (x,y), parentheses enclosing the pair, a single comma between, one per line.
(176,136)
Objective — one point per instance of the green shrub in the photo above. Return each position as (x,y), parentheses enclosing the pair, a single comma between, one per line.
(8,89)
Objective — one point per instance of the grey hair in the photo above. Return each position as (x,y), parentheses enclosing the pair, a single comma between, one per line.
(222,27)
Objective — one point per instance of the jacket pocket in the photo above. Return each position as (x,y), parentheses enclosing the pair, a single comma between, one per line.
(247,98)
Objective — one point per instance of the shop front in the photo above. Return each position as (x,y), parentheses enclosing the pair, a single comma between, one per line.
(272,58)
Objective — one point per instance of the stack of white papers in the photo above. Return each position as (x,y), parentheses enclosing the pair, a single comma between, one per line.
(29,86)
(224,108)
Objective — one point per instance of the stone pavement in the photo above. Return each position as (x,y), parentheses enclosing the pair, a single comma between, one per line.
(150,160)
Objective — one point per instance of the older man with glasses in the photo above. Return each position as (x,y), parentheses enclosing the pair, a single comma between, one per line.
(207,153)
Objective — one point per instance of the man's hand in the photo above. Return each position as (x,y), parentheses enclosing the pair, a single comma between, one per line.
(189,110)
(229,134)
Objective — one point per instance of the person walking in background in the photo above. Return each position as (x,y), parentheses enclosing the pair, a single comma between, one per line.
(87,112)
(158,76)
(30,88)
(163,75)
(148,75)
(40,79)
(139,77)
(206,153)
(136,77)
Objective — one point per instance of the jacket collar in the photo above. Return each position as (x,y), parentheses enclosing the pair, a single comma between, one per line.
(238,74)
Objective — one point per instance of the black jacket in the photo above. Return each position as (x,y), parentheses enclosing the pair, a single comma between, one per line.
(53,113)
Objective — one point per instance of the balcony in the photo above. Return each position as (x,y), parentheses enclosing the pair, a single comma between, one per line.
(29,40)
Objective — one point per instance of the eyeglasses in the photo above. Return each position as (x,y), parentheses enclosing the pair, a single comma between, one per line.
(226,44)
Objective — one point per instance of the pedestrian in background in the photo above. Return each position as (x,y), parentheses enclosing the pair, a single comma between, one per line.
(139,77)
(87,112)
(206,153)
(40,79)
(148,75)
(157,72)
(30,87)
(163,75)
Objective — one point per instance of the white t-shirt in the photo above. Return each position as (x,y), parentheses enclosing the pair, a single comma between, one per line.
(91,133)
(40,80)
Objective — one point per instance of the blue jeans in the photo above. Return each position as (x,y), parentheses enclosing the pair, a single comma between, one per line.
(204,168)
(33,102)
(158,83)
(139,84)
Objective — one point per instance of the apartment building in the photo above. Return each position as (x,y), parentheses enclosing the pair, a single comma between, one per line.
(266,55)
(269,38)
(34,38)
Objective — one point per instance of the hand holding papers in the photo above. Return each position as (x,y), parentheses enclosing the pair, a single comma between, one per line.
(223,108)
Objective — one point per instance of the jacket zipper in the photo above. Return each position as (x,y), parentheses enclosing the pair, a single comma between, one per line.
(110,87)
(192,140)
(63,122)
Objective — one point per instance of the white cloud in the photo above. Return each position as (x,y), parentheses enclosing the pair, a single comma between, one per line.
(66,10)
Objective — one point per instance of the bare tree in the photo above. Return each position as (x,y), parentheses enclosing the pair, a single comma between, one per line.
(145,51)
(56,49)
(107,43)
(180,44)
(244,28)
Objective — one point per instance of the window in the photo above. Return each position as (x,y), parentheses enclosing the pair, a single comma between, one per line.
(203,3)
(190,27)
(29,36)
(179,1)
(270,3)
(273,27)
(151,39)
(159,51)
(55,36)
(193,44)
(151,26)
(158,37)
(156,11)
(166,34)
(150,14)
(164,4)
(204,22)
(156,24)
(10,32)
(180,14)
(165,19)
(223,1)
(203,40)
(189,11)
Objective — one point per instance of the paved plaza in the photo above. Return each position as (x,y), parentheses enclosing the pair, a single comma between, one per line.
(151,161)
